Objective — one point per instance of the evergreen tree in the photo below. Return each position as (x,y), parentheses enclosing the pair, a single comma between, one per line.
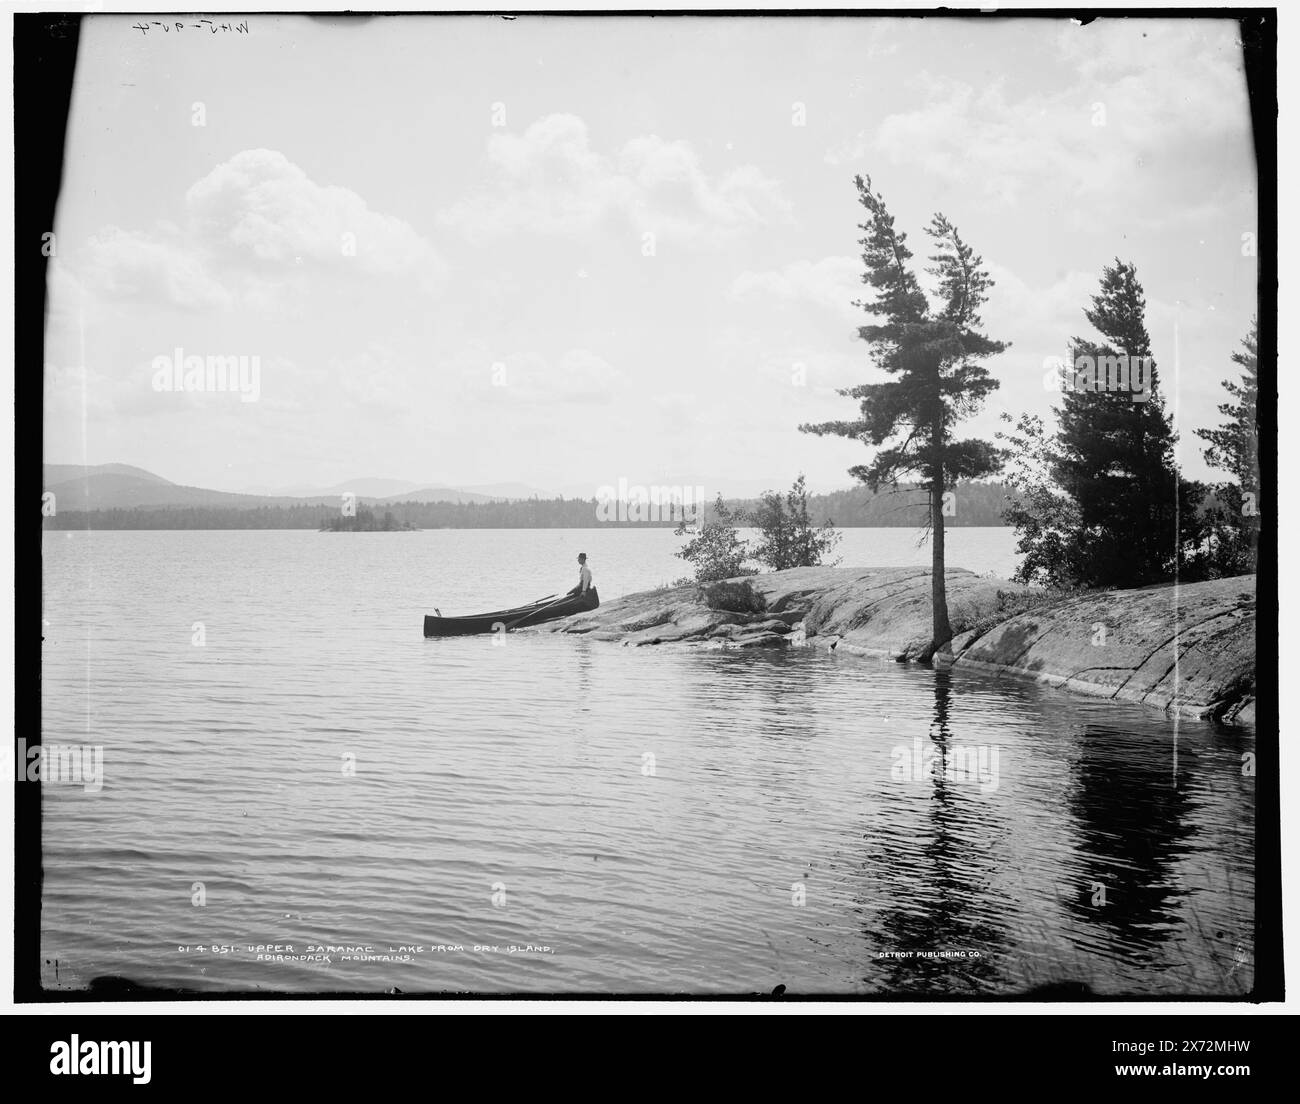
(932,354)
(1233,519)
(1234,446)
(1138,519)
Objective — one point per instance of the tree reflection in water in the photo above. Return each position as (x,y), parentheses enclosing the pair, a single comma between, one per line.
(936,890)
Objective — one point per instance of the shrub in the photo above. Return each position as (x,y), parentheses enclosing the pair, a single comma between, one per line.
(716,550)
(787,537)
(680,581)
(733,596)
(1011,603)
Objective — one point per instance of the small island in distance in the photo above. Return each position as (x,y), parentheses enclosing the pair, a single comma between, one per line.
(365,521)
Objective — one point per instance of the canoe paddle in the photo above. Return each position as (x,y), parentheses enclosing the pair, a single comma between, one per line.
(532,613)
(529,614)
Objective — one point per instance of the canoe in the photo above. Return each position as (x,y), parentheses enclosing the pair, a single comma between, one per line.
(520,618)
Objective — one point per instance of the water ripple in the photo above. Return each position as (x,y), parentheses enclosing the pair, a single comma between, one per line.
(648,820)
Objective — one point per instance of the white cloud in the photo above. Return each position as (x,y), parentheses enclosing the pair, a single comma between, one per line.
(375,378)
(833,282)
(72,391)
(255,226)
(261,204)
(548,180)
(998,147)
(158,267)
(1039,319)
(790,367)
(1141,94)
(577,376)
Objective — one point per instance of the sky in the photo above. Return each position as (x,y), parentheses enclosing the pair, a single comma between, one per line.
(564,252)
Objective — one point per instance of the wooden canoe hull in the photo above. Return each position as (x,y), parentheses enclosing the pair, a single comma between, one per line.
(520,618)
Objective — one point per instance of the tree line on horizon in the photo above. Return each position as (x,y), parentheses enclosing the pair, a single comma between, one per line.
(977,504)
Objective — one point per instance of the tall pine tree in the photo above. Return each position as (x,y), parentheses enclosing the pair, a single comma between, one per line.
(1114,455)
(1233,521)
(1234,446)
(931,351)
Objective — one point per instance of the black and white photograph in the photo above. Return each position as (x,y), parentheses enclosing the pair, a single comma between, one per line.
(660,506)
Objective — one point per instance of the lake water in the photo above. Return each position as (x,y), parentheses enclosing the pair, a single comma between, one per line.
(287,762)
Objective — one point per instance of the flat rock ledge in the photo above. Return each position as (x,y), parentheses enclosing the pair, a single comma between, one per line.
(1185,649)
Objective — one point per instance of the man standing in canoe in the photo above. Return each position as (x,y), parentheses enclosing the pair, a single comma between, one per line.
(584,575)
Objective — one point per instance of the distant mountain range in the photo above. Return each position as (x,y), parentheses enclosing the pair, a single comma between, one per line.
(123,487)
(397,490)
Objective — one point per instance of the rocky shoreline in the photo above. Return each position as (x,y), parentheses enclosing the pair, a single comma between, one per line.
(1187,649)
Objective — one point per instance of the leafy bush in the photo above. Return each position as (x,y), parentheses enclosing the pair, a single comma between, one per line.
(1231,534)
(734,597)
(715,550)
(786,536)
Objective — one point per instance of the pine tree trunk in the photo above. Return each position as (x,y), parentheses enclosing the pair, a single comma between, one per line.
(942,631)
